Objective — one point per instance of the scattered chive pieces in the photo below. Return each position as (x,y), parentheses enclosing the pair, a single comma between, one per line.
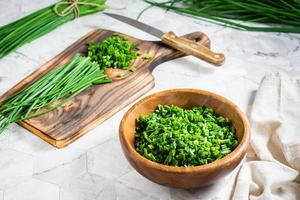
(184,137)
(132,69)
(147,56)
(113,52)
(120,75)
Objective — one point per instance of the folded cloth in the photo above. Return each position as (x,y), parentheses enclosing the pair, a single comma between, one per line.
(275,139)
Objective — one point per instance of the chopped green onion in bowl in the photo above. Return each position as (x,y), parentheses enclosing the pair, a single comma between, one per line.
(181,137)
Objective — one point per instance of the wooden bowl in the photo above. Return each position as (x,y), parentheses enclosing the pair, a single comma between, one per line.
(184,177)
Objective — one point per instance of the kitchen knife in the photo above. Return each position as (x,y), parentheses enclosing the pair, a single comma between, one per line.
(182,44)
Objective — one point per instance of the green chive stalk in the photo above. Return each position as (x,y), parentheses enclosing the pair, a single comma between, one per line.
(279,15)
(51,91)
(41,22)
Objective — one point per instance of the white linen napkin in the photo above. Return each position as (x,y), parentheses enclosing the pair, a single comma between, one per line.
(275,139)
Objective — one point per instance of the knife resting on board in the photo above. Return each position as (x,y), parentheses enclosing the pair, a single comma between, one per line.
(189,47)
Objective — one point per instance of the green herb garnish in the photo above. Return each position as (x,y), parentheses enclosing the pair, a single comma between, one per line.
(113,52)
(178,137)
(59,86)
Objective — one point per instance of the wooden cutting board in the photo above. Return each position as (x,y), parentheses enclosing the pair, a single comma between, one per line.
(96,104)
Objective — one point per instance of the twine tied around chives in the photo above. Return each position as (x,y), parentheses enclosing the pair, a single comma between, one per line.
(73,6)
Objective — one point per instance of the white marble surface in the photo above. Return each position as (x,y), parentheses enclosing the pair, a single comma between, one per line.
(94,167)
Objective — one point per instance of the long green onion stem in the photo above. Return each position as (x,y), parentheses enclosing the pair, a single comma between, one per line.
(39,23)
(52,90)
(279,15)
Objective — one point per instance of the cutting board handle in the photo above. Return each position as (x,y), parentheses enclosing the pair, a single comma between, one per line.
(198,37)
(192,47)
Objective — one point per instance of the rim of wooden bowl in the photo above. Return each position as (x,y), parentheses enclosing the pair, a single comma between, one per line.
(225,161)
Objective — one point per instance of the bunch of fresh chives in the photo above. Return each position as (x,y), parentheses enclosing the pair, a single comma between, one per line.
(280,15)
(57,87)
(41,22)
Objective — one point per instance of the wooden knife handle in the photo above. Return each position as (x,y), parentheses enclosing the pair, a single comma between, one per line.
(193,48)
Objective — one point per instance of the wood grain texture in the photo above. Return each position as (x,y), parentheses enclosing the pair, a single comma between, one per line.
(96,104)
(185,177)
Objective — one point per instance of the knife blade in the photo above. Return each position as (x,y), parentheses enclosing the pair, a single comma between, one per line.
(187,46)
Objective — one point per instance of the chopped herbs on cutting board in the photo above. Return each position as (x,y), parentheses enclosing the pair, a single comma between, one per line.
(113,52)
(63,83)
(184,137)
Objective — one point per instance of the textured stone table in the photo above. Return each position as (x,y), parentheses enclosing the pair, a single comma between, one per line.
(94,167)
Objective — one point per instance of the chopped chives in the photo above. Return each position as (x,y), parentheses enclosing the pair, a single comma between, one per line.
(180,137)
